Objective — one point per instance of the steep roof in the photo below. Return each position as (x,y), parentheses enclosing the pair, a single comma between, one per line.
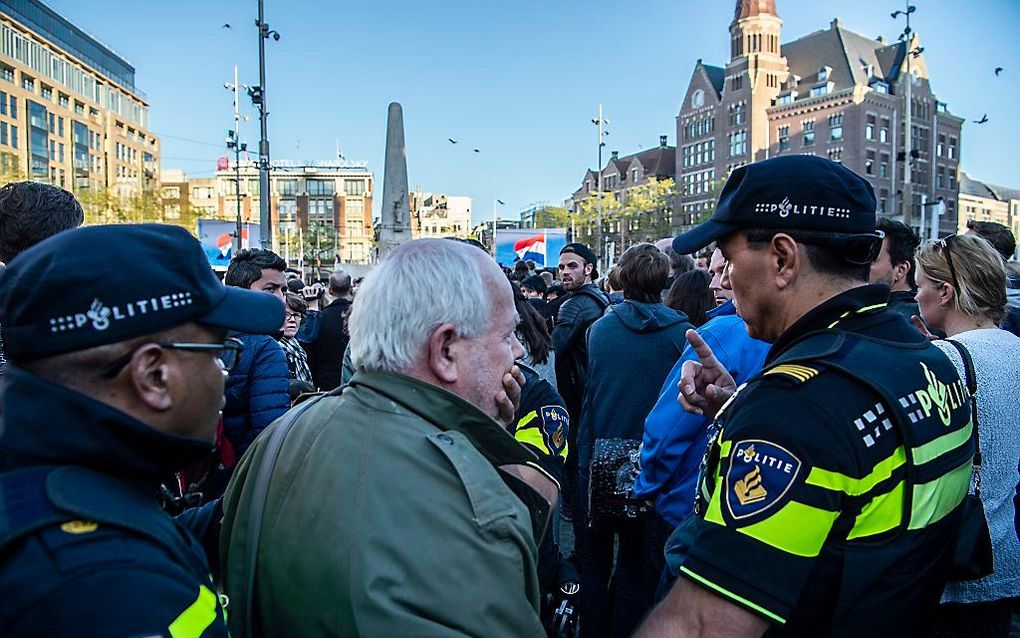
(717,76)
(848,54)
(974,188)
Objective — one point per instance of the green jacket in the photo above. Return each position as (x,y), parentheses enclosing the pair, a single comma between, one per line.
(386,516)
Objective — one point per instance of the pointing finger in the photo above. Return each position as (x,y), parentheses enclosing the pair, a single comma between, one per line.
(702,349)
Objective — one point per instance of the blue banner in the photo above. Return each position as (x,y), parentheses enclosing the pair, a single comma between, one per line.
(542,245)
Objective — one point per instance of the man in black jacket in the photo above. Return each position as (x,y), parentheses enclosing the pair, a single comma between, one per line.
(326,352)
(118,355)
(585,303)
(894,266)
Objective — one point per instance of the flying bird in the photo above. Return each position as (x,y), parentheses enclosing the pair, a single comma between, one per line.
(452,141)
(477,151)
(998,70)
(225,26)
(984,118)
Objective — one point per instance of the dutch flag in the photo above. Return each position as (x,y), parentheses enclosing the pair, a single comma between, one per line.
(531,248)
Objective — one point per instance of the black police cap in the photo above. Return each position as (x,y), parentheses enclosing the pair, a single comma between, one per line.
(104,284)
(797,192)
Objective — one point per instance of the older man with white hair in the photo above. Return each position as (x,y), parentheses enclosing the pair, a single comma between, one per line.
(399,507)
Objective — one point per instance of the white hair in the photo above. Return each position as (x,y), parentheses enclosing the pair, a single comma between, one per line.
(421,285)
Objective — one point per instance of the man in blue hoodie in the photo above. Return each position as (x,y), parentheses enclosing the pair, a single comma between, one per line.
(675,440)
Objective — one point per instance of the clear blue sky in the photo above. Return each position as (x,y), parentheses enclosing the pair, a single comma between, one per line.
(520,81)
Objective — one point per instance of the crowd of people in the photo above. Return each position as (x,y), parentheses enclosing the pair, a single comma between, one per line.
(796,419)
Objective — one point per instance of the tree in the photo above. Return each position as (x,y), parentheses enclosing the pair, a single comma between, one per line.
(552,217)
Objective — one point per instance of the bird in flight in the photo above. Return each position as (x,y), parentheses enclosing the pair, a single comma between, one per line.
(477,151)
(225,26)
(452,141)
(984,118)
(998,70)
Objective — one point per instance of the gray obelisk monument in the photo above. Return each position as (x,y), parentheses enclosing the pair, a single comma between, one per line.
(395,214)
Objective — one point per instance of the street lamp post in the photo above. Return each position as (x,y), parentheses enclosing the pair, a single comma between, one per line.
(258,98)
(495,220)
(600,123)
(234,143)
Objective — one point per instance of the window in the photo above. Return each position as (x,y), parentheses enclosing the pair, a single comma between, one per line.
(883,133)
(14,107)
(869,128)
(809,132)
(60,126)
(869,163)
(952,149)
(14,137)
(633,175)
(787,98)
(836,127)
(822,89)
(286,187)
(355,209)
(46,92)
(738,113)
(784,138)
(319,186)
(27,83)
(320,210)
(836,154)
(823,74)
(883,198)
(952,180)
(738,143)
(3,133)
(79,108)
(355,187)
(940,177)
(883,168)
(7,73)
(737,83)
(288,210)
(940,149)
(63,100)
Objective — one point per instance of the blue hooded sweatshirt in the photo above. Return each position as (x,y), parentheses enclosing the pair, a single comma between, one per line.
(630,351)
(674,440)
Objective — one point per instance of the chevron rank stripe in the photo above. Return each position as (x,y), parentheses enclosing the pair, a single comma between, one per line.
(800,373)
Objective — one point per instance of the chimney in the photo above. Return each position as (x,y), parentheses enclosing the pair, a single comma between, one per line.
(616,154)
(663,141)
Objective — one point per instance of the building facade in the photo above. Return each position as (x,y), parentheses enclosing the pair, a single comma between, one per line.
(70,113)
(328,204)
(436,215)
(831,93)
(983,202)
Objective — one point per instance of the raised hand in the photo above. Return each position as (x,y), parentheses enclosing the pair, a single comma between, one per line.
(704,384)
(509,397)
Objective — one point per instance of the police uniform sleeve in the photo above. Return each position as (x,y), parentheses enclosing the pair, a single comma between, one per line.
(767,516)
(125,602)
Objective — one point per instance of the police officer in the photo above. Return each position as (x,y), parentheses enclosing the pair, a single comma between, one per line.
(831,490)
(117,342)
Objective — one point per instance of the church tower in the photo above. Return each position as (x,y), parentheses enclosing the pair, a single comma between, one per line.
(754,75)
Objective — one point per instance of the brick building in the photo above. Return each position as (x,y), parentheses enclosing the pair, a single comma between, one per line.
(831,93)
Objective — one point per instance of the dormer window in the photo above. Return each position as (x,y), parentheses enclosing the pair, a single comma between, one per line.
(823,73)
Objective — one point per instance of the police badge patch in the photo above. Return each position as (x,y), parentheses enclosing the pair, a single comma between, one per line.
(759,476)
(555,423)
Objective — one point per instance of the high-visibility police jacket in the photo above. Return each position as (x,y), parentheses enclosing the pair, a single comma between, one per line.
(830,493)
(85,549)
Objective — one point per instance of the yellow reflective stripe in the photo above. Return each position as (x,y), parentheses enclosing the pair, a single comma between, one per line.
(943,445)
(533,435)
(725,592)
(935,499)
(724,449)
(881,514)
(854,486)
(197,617)
(796,529)
(524,420)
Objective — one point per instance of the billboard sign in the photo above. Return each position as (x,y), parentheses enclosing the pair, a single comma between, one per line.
(542,245)
(217,239)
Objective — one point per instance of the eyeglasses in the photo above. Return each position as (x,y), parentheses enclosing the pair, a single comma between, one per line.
(947,251)
(296,316)
(226,353)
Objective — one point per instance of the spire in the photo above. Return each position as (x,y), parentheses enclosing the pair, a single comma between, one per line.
(749,8)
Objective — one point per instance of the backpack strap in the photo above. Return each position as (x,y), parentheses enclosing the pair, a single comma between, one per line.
(972,389)
(244,606)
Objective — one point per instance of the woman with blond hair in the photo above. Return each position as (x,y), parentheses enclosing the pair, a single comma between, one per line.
(961,290)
